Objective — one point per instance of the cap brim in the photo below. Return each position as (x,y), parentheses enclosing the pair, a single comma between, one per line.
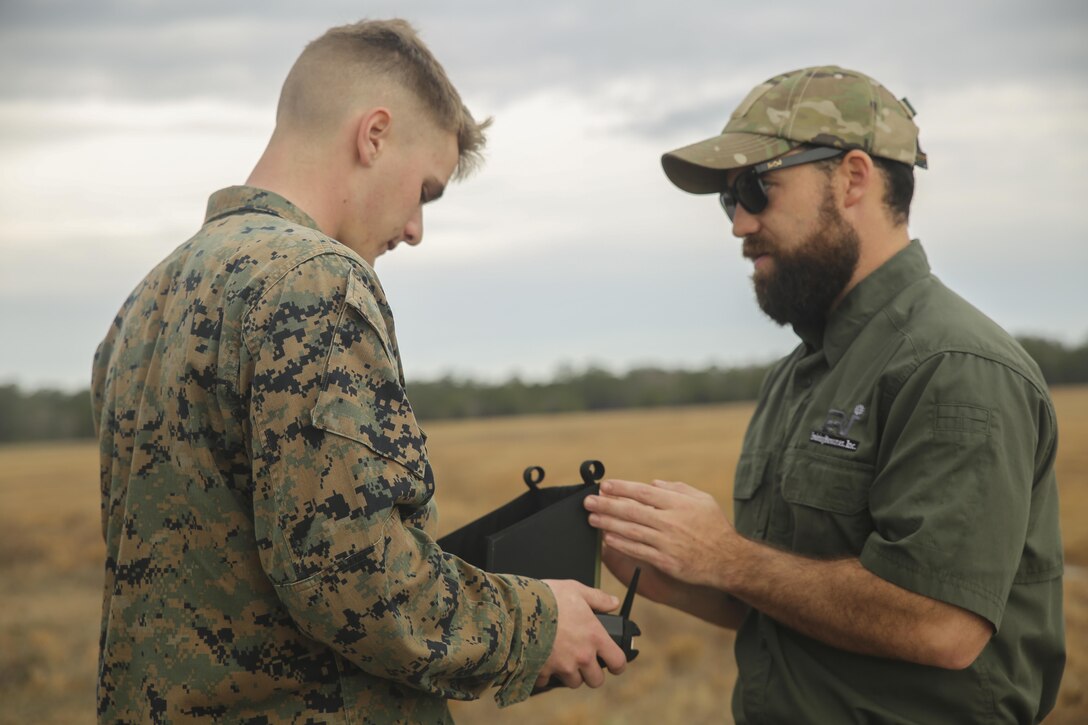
(701,167)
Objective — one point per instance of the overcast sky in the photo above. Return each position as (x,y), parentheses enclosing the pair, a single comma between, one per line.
(118,119)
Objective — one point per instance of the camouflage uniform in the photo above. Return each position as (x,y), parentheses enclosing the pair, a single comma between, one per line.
(267,500)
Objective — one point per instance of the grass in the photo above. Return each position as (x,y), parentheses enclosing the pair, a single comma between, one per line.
(51,552)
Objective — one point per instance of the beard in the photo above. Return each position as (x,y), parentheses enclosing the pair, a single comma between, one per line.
(805,281)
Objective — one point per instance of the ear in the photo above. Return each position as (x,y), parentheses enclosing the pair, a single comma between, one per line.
(372,134)
(859,176)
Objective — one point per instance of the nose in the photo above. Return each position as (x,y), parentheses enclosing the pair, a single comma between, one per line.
(745,223)
(413,230)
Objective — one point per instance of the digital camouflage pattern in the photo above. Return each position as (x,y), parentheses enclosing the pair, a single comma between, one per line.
(822,105)
(267,500)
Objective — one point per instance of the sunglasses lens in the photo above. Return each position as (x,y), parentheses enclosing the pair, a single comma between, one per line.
(729,204)
(749,192)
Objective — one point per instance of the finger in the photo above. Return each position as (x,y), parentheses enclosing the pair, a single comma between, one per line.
(641,492)
(598,600)
(682,489)
(638,550)
(624,508)
(592,674)
(614,657)
(626,529)
(675,486)
(573,680)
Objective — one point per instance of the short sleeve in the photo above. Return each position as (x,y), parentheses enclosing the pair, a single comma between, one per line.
(965,443)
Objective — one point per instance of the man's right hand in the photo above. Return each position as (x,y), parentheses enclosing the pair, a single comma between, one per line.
(707,603)
(652,584)
(580,638)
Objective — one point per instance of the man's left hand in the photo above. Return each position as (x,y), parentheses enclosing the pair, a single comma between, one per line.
(680,530)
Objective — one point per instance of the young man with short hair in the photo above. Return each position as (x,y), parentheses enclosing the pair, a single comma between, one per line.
(267,499)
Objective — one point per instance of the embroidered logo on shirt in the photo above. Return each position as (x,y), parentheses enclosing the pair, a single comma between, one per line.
(836,428)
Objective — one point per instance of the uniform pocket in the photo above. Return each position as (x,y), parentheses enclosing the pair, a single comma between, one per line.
(750,503)
(828,502)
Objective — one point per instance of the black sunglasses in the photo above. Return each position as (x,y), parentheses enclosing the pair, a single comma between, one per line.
(748,189)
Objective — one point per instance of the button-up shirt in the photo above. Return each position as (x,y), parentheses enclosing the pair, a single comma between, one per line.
(916,435)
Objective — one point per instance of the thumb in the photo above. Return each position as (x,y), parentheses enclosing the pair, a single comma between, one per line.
(598,600)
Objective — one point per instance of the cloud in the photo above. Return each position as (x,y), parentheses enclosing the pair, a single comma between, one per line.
(117,172)
(164,50)
(118,118)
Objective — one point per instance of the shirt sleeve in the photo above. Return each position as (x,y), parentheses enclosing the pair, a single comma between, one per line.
(342,491)
(961,450)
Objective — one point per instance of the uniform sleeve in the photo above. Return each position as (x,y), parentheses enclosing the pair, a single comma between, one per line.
(342,486)
(966,442)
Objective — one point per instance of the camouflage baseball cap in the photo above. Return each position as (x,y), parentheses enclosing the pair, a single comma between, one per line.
(823,105)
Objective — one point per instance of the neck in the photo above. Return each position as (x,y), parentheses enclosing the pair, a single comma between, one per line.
(874,249)
(306,179)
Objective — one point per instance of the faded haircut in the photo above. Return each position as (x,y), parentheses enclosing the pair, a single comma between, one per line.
(333,69)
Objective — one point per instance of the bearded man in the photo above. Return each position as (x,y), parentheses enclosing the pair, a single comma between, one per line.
(895,554)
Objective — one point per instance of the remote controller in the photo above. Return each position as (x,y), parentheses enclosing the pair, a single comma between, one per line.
(619,627)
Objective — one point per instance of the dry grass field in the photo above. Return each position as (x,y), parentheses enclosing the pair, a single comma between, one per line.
(50,552)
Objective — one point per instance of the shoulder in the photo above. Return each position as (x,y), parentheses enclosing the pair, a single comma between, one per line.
(259,250)
(953,361)
(310,292)
(934,322)
(268,260)
(322,278)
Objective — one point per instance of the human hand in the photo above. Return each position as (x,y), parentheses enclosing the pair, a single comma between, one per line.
(652,583)
(677,529)
(580,638)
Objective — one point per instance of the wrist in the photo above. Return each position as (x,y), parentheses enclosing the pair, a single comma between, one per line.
(735,561)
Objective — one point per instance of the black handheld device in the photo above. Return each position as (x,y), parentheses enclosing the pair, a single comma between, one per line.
(545,534)
(619,627)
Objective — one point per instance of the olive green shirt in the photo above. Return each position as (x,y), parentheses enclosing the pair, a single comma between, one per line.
(267,502)
(916,435)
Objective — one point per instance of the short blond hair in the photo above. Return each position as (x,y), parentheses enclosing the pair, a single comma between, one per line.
(333,69)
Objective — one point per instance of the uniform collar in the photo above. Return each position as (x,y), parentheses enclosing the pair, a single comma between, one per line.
(870,296)
(249,199)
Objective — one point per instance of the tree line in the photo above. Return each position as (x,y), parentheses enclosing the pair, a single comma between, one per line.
(55,415)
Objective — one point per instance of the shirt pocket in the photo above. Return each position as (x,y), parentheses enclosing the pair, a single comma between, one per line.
(827,504)
(750,500)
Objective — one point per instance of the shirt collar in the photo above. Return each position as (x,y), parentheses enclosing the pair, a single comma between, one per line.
(870,296)
(249,199)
